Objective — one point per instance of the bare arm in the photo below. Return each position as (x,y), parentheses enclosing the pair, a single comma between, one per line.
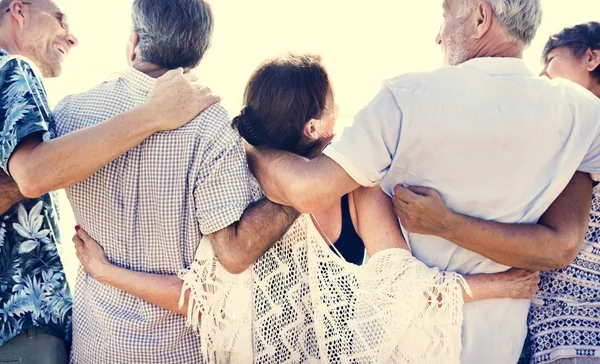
(378,227)
(241,244)
(552,243)
(376,223)
(514,283)
(292,180)
(9,193)
(160,290)
(176,99)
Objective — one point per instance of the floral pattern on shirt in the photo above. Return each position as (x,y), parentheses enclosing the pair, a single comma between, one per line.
(33,286)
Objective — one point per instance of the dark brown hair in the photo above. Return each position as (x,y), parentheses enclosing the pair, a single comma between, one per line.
(283,94)
(578,40)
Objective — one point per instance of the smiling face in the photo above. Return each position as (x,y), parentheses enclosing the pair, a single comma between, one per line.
(43,35)
(561,62)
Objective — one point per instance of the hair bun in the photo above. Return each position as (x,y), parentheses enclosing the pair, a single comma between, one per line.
(245,123)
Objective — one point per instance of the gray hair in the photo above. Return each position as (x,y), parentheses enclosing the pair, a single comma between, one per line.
(172,33)
(519,18)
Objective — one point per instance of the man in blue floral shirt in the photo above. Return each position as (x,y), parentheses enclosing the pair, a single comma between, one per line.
(35,301)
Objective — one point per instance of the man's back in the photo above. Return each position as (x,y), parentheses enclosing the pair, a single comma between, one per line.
(501,147)
(149,210)
(498,143)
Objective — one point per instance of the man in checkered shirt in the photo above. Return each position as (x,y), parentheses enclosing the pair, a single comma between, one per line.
(149,208)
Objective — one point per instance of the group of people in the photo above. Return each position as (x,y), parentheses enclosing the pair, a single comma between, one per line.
(451,221)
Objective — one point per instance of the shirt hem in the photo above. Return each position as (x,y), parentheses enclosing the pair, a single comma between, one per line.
(348,166)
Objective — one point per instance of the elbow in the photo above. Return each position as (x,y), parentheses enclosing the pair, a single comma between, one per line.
(30,183)
(234,262)
(234,266)
(304,200)
(567,251)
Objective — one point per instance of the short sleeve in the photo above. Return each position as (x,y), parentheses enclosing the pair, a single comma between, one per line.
(365,150)
(223,190)
(23,108)
(591,161)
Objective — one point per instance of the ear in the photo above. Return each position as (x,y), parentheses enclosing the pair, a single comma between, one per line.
(311,130)
(132,47)
(592,59)
(16,10)
(483,19)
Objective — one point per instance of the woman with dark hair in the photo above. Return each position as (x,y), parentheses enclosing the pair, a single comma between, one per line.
(302,121)
(564,320)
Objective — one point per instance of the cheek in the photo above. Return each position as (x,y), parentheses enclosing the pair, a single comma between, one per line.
(557,69)
(567,70)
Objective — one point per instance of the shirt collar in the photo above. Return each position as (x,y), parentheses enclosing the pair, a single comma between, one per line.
(138,81)
(499,66)
(32,65)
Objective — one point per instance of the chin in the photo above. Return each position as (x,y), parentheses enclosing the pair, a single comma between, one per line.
(54,72)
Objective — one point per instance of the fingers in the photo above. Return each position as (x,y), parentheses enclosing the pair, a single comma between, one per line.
(169,75)
(191,77)
(201,91)
(399,204)
(83,235)
(424,191)
(77,242)
(404,194)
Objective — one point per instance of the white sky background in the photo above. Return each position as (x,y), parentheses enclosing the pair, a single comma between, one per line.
(362,43)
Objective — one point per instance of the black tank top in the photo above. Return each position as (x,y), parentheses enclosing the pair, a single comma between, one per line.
(349,244)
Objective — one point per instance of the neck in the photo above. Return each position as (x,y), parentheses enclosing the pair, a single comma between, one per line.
(9,43)
(497,46)
(149,69)
(596,89)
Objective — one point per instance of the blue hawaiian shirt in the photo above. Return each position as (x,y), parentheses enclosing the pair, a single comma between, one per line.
(33,287)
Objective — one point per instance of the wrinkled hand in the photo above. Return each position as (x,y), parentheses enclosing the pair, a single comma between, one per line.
(421,210)
(90,255)
(177,98)
(520,283)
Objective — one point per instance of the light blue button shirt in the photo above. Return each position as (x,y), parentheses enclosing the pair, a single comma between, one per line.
(498,143)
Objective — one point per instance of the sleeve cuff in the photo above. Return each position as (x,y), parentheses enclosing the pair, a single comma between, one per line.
(221,219)
(348,166)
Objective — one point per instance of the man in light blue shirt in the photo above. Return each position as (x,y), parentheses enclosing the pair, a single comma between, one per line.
(494,139)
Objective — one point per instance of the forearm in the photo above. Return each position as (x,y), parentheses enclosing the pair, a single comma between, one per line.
(527,246)
(550,244)
(9,193)
(308,185)
(76,156)
(261,225)
(160,290)
(483,287)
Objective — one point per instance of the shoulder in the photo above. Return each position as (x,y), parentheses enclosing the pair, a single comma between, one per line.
(19,77)
(426,80)
(20,66)
(89,102)
(213,125)
(82,99)
(573,92)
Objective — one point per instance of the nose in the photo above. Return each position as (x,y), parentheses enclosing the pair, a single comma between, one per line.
(438,39)
(544,72)
(72,40)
